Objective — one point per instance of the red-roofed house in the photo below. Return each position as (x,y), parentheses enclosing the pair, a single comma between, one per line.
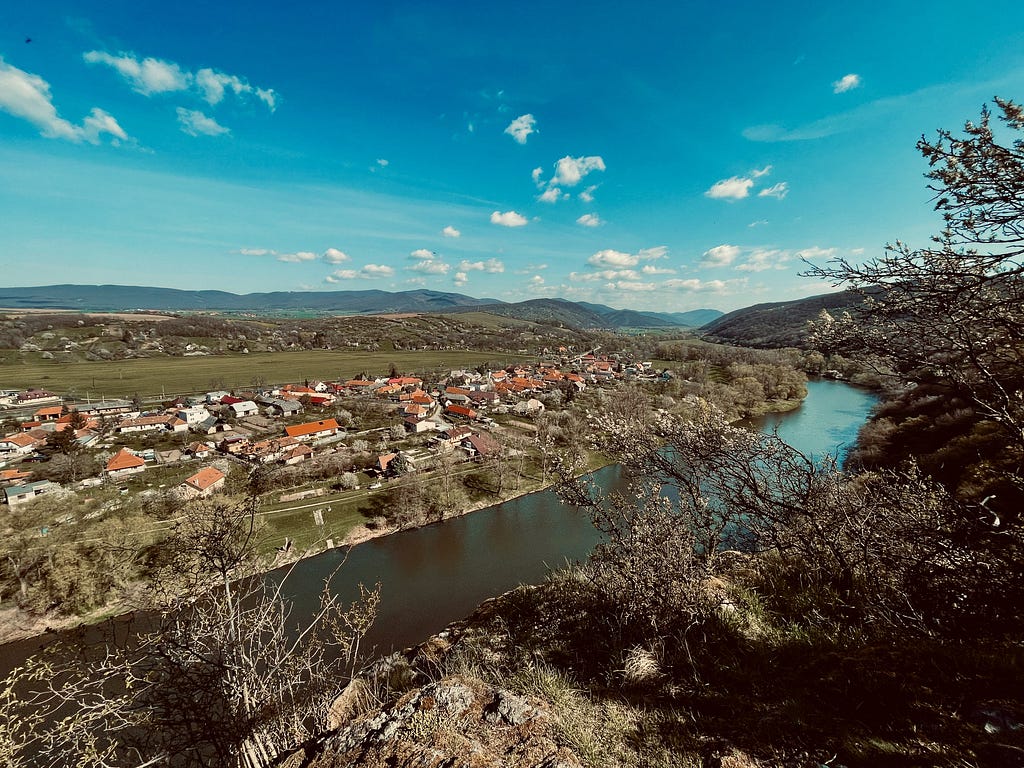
(13,476)
(205,482)
(19,444)
(481,445)
(461,410)
(124,464)
(49,413)
(313,430)
(296,455)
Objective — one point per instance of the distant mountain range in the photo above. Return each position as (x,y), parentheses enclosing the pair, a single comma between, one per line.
(112,298)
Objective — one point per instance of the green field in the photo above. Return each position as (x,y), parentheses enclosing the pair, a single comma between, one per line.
(169,376)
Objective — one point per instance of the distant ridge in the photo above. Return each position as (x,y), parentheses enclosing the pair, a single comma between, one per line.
(110,298)
(581,314)
(114,298)
(778,324)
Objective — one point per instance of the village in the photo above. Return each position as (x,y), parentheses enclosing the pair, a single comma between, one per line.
(203,437)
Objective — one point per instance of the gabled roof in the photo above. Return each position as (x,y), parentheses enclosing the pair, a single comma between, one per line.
(311,428)
(204,478)
(483,444)
(22,439)
(124,460)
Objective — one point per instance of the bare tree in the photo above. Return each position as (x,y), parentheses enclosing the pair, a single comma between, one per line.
(224,676)
(951,313)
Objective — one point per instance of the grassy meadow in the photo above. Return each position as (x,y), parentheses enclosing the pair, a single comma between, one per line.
(186,375)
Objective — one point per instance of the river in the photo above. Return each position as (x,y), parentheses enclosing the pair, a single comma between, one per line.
(437,574)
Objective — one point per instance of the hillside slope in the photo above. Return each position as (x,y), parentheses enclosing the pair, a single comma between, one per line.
(778,324)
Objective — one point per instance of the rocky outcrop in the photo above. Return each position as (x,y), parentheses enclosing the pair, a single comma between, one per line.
(456,721)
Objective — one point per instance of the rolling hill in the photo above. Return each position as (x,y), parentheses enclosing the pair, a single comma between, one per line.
(778,324)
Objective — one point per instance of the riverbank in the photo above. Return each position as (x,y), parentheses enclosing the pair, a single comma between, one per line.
(17,626)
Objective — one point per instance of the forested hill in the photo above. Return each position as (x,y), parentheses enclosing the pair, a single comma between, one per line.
(580,314)
(778,324)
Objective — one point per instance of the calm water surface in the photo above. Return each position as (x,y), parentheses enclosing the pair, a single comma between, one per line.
(435,575)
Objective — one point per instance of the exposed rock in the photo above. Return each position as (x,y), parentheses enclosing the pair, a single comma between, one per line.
(456,721)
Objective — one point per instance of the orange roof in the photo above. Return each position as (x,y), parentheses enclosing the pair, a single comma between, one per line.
(459,410)
(204,478)
(359,382)
(124,460)
(23,439)
(300,430)
(53,410)
(13,474)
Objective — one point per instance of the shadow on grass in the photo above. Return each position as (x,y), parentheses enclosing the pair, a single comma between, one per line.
(785,696)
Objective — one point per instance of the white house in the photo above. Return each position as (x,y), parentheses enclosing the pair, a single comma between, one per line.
(193,415)
(245,408)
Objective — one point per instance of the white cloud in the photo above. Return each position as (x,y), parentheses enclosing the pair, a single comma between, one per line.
(537,173)
(733,188)
(368,272)
(604,274)
(778,191)
(99,122)
(764,259)
(720,255)
(508,219)
(634,286)
(382,162)
(297,257)
(618,259)
(846,83)
(758,223)
(649,269)
(431,267)
(492,266)
(569,171)
(757,174)
(589,220)
(451,231)
(422,253)
(213,84)
(146,76)
(657,252)
(550,195)
(587,195)
(334,256)
(459,278)
(151,76)
(256,252)
(521,128)
(814,252)
(695,285)
(536,281)
(612,258)
(331,279)
(195,123)
(27,96)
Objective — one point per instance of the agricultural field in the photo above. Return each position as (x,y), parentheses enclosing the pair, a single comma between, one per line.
(169,376)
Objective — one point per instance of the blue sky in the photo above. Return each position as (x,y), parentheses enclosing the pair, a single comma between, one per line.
(664,156)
